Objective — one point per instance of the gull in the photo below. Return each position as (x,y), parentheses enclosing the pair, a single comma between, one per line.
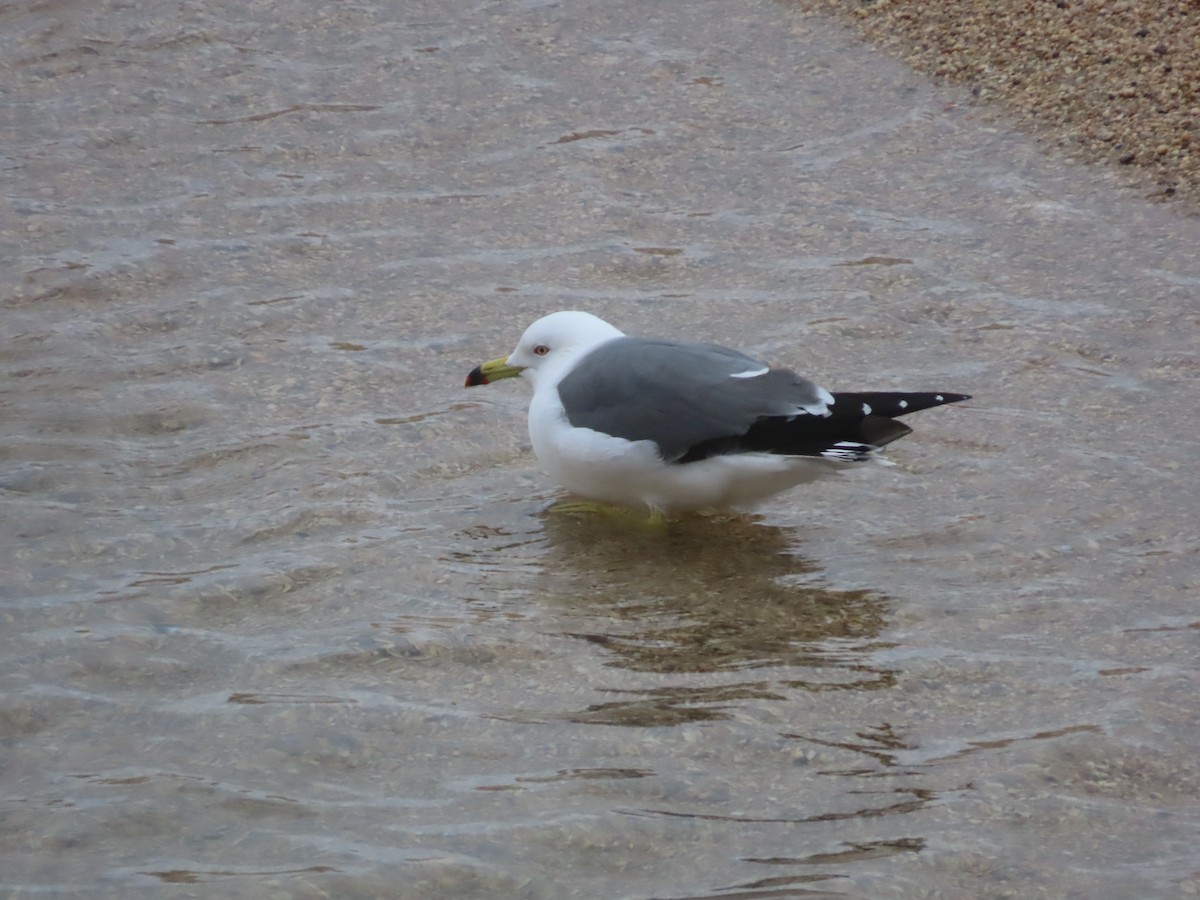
(676,426)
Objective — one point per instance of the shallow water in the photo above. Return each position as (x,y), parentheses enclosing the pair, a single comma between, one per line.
(282,613)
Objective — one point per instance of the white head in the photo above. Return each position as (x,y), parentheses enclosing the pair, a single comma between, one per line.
(552,342)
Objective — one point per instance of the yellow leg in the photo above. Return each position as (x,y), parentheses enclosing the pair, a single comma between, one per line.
(657,519)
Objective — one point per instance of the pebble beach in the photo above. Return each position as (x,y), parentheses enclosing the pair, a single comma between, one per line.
(1110,81)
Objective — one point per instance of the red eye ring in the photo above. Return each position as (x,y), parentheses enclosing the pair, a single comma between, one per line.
(541,350)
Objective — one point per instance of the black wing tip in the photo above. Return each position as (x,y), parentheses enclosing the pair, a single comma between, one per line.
(903,404)
(890,404)
(859,424)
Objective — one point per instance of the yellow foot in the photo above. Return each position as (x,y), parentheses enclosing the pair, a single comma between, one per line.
(656,519)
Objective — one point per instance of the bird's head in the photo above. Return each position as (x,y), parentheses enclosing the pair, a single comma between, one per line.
(547,348)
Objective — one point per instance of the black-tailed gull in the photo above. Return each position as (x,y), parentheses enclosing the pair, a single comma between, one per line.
(671,425)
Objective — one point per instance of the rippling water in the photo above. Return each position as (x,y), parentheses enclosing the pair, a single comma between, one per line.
(283,614)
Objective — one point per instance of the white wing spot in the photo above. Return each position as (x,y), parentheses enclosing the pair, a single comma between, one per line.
(751,373)
(904,404)
(866,409)
(939,398)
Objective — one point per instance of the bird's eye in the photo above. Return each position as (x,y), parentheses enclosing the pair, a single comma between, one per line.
(541,350)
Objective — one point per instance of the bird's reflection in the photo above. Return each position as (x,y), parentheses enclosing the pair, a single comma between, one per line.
(707,595)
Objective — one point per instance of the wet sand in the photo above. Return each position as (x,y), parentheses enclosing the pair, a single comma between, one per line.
(1112,82)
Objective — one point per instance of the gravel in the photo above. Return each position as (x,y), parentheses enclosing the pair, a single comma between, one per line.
(1114,81)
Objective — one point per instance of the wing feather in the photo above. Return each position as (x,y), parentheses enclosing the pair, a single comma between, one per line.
(681,395)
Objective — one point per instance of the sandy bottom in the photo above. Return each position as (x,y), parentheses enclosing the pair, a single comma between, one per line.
(281,614)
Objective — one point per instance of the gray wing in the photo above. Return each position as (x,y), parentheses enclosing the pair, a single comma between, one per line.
(680,394)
